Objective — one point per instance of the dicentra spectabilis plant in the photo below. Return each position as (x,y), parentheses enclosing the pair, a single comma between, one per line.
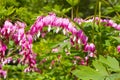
(24,40)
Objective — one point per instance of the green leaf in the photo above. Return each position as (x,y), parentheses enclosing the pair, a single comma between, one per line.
(87,73)
(10,11)
(108,10)
(117,8)
(111,62)
(100,68)
(105,69)
(107,42)
(115,76)
(11,43)
(117,38)
(73,2)
(66,10)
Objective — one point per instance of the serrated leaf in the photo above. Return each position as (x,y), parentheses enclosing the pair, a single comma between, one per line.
(100,68)
(103,60)
(111,62)
(87,73)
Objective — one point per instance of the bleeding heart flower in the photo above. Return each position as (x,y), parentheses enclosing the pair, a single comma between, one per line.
(118,48)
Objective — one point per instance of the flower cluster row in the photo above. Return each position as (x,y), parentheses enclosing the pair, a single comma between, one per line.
(51,20)
(105,22)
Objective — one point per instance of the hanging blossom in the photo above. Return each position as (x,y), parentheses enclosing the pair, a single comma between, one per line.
(90,48)
(64,23)
(105,22)
(118,48)
(2,72)
(3,48)
(52,21)
(16,32)
(78,36)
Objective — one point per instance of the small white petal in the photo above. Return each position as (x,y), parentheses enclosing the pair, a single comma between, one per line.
(57,29)
(20,43)
(91,54)
(79,41)
(14,61)
(49,28)
(18,37)
(74,38)
(8,31)
(38,35)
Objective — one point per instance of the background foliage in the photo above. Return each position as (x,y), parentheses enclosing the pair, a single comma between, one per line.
(28,10)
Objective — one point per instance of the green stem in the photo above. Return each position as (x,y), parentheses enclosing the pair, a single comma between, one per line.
(72,13)
(77,11)
(99,13)
(94,22)
(100,33)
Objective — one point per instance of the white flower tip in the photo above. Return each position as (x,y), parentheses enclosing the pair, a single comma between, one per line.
(79,41)
(74,38)
(38,35)
(49,28)
(57,29)
(64,31)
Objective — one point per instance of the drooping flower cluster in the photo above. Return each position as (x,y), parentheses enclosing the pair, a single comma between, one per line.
(16,32)
(2,72)
(105,22)
(90,48)
(52,21)
(118,48)
(3,48)
(78,36)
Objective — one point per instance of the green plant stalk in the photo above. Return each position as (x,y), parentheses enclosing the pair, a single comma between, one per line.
(77,11)
(99,13)
(72,13)
(100,33)
(94,22)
